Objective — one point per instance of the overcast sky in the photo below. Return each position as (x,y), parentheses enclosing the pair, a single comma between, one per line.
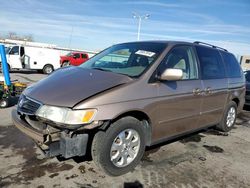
(94,25)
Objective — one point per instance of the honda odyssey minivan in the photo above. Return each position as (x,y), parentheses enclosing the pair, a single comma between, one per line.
(130,96)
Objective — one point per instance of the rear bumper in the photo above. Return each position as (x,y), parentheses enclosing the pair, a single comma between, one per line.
(66,145)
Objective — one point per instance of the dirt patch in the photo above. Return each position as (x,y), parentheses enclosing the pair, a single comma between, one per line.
(87,185)
(54,175)
(135,184)
(32,168)
(193,138)
(71,177)
(146,158)
(202,158)
(215,132)
(4,183)
(94,181)
(148,152)
(82,169)
(214,149)
(39,170)
(40,186)
(91,170)
(10,136)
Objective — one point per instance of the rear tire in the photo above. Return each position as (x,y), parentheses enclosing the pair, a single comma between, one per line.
(65,64)
(48,69)
(4,103)
(229,118)
(120,148)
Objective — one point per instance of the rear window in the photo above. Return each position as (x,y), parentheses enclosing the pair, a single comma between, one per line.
(232,66)
(211,63)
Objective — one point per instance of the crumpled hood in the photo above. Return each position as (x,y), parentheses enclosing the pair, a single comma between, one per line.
(69,86)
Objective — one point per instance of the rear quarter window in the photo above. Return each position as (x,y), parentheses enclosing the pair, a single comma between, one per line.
(211,64)
(84,56)
(232,66)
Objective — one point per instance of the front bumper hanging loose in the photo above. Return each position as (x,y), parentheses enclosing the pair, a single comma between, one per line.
(53,144)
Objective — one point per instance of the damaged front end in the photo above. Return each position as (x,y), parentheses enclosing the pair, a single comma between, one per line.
(51,138)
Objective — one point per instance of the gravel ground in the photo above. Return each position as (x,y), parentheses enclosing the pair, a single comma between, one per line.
(205,159)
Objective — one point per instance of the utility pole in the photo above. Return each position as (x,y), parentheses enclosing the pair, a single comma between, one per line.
(140,18)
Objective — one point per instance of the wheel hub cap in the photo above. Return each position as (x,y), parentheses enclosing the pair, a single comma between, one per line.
(125,148)
(3,103)
(231,115)
(49,69)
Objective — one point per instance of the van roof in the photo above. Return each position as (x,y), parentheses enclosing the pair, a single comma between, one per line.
(196,43)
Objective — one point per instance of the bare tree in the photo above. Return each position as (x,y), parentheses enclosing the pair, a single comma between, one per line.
(15,36)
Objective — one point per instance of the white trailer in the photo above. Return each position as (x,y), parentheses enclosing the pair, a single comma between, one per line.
(36,58)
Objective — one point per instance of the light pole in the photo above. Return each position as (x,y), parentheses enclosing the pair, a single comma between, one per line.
(140,18)
(70,37)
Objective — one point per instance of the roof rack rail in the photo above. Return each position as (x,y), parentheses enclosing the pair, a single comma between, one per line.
(198,42)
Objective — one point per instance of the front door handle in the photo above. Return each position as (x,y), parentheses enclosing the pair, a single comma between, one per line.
(208,91)
(197,91)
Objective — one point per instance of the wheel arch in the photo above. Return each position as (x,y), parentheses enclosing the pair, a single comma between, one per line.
(142,117)
(66,60)
(236,100)
(48,64)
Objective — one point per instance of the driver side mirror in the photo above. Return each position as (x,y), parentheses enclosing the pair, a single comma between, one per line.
(171,75)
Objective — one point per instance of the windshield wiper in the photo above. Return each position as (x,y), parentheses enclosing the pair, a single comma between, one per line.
(101,69)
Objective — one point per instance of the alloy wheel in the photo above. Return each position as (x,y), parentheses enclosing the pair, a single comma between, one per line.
(125,148)
(231,115)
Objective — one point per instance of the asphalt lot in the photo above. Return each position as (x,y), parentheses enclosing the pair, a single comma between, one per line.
(205,159)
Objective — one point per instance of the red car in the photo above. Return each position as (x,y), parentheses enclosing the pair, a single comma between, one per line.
(73,58)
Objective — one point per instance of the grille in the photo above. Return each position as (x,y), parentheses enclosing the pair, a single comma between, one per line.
(27,105)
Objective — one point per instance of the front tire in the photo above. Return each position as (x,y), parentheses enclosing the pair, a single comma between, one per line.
(120,148)
(65,64)
(229,118)
(4,103)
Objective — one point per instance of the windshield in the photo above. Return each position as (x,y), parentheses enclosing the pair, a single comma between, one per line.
(131,59)
(69,54)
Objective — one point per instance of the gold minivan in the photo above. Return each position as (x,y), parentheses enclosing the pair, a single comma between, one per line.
(130,96)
